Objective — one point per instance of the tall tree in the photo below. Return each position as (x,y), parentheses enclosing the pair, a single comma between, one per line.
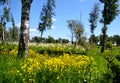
(14,30)
(94,14)
(24,29)
(79,30)
(71,26)
(76,28)
(5,17)
(109,13)
(46,16)
(42,23)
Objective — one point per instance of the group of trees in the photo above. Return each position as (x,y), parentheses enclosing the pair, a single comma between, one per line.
(77,30)
(49,40)
(5,17)
(25,24)
(97,40)
(109,12)
(10,35)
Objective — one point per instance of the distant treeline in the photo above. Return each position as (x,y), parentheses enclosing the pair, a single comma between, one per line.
(49,39)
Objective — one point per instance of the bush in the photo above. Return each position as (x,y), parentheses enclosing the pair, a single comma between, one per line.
(109,45)
(58,50)
(113,74)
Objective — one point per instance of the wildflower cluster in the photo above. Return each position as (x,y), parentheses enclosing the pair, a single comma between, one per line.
(29,68)
(62,68)
(44,68)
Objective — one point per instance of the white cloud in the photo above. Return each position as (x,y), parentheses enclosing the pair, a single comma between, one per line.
(32,30)
(52,27)
(53,19)
(18,25)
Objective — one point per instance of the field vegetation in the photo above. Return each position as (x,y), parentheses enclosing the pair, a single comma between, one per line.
(81,60)
(56,63)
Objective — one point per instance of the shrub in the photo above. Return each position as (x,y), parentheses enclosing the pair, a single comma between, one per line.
(109,45)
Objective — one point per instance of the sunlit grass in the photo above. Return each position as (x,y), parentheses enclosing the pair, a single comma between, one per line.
(53,64)
(42,68)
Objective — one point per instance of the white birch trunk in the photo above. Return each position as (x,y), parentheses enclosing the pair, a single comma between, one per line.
(24,29)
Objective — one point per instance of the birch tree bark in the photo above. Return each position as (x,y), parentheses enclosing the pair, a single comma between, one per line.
(24,29)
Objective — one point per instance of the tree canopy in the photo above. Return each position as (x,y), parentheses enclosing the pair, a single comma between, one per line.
(109,13)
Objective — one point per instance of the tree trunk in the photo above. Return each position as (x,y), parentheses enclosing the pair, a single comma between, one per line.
(72,39)
(41,37)
(3,30)
(77,39)
(104,38)
(13,24)
(24,29)
(3,35)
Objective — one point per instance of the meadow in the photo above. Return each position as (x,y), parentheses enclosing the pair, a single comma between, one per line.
(56,63)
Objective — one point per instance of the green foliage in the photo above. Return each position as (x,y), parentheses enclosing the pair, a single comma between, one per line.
(77,30)
(109,45)
(94,17)
(46,16)
(1,29)
(116,39)
(7,14)
(58,50)
(113,65)
(110,10)
(50,40)
(109,13)
(99,58)
(59,64)
(44,68)
(94,39)
(43,20)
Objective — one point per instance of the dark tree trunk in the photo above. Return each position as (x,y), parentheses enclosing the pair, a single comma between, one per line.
(24,29)
(104,38)
(41,37)
(13,24)
(72,39)
(3,35)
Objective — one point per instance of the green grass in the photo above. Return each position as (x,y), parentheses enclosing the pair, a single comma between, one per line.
(99,58)
(11,68)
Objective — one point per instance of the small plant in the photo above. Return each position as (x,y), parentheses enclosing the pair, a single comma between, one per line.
(109,45)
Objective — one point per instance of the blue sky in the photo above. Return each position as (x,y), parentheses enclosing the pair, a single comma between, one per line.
(65,10)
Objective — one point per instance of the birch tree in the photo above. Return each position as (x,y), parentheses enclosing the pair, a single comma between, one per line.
(24,29)
(46,16)
(5,17)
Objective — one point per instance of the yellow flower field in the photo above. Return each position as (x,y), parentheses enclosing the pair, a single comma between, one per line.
(43,68)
